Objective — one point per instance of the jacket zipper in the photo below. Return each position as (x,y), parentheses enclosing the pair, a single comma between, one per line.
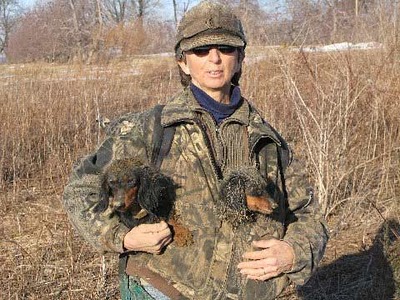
(214,164)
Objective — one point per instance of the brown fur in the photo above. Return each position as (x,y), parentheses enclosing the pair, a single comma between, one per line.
(259,204)
(131,187)
(243,196)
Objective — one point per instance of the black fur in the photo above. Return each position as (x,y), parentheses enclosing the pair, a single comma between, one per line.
(232,205)
(156,192)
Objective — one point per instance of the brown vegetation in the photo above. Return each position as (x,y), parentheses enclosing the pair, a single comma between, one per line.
(49,117)
(339,111)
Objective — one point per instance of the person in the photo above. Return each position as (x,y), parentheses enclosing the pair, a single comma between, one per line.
(219,140)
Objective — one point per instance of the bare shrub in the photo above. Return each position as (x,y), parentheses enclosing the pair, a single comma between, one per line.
(54,31)
(339,112)
(135,38)
(344,123)
(49,114)
(46,33)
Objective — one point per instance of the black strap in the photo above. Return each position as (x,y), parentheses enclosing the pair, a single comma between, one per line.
(161,139)
(168,136)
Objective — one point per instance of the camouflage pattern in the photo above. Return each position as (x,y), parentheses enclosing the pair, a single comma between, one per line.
(201,155)
(209,23)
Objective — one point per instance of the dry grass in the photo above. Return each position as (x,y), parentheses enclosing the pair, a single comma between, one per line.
(340,112)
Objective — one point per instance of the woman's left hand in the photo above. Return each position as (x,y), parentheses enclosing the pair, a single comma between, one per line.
(272,259)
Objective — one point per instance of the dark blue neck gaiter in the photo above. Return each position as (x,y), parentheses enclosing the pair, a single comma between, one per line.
(218,110)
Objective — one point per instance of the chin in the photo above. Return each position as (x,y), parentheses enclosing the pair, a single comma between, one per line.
(218,85)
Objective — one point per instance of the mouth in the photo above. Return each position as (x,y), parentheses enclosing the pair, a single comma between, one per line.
(215,73)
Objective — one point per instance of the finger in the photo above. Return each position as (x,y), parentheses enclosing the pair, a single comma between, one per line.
(265,249)
(260,254)
(166,242)
(162,224)
(265,243)
(264,277)
(157,249)
(256,264)
(160,242)
(258,272)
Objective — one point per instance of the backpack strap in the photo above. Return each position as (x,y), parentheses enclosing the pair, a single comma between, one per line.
(161,139)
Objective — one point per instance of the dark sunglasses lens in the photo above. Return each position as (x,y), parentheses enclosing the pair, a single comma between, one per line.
(201,51)
(204,50)
(226,49)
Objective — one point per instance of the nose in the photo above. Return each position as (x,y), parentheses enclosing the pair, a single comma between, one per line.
(214,55)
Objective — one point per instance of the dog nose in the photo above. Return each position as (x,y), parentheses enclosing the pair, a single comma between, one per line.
(141,214)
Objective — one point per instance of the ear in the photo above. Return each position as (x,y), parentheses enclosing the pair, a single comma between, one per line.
(183,65)
(241,56)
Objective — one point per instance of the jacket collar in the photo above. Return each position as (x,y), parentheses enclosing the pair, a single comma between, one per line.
(183,106)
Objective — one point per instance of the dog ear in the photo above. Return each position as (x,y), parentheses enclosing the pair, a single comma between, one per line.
(104,199)
(157,193)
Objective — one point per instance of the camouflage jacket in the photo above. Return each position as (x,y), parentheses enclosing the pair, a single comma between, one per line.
(200,150)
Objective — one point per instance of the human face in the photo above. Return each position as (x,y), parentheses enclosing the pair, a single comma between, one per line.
(212,70)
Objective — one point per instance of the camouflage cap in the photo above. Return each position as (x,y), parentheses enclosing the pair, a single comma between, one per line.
(209,23)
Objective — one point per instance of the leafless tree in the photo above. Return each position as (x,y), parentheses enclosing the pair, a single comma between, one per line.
(117,10)
(55,30)
(180,8)
(9,11)
(120,11)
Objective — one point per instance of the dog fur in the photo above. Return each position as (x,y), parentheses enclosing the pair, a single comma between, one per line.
(140,194)
(243,195)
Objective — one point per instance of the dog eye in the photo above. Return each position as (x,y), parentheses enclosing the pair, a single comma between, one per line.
(112,183)
(131,183)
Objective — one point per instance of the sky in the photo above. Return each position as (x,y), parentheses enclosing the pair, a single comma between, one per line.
(28,3)
(167,5)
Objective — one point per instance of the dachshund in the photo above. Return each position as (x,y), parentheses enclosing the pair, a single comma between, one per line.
(141,194)
(243,195)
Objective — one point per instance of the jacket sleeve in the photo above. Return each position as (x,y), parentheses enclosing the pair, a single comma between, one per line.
(306,227)
(103,230)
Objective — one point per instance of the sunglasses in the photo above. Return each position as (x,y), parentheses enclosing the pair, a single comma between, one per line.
(204,50)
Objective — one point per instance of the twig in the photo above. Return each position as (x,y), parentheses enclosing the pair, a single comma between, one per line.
(19,246)
(397,235)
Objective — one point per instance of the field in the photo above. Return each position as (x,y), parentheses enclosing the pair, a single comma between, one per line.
(340,112)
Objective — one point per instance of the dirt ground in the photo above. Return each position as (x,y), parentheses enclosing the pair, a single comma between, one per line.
(361,262)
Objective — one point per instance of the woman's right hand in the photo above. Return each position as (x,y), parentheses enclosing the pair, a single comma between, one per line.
(151,238)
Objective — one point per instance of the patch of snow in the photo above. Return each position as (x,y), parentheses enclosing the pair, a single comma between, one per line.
(345,46)
(163,54)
